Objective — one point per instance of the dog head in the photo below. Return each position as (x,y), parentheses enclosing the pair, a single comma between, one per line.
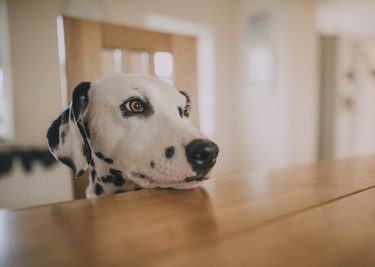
(136,127)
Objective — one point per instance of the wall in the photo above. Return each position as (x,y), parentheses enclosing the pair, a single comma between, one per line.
(279,126)
(345,17)
(35,68)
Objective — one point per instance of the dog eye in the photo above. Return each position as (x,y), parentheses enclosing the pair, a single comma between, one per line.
(135,106)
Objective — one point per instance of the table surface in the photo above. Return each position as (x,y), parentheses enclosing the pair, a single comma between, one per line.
(321,214)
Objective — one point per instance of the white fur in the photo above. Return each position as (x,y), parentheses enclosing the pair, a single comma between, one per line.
(134,142)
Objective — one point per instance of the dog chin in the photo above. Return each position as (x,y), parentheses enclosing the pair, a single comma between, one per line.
(187,183)
(178,185)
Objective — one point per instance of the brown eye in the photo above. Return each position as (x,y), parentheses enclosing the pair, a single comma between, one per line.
(135,106)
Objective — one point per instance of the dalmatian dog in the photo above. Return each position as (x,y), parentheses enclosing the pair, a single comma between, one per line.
(131,132)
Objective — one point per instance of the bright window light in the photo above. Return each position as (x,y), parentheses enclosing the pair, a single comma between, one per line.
(163,64)
(117,56)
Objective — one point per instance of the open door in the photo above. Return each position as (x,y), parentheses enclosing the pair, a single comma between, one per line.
(94,49)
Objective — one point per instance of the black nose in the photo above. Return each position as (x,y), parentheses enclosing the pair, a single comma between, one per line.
(201,154)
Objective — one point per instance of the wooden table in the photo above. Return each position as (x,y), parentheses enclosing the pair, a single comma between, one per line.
(317,215)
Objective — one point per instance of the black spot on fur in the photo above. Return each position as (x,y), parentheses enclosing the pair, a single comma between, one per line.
(119,180)
(80,173)
(69,162)
(62,137)
(114,171)
(152,164)
(115,177)
(107,179)
(186,111)
(71,115)
(104,158)
(169,152)
(93,175)
(80,101)
(108,160)
(65,116)
(181,112)
(86,152)
(53,133)
(98,189)
(119,191)
(80,98)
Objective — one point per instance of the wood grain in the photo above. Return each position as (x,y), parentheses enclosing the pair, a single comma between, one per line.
(312,212)
(151,63)
(83,47)
(120,36)
(341,233)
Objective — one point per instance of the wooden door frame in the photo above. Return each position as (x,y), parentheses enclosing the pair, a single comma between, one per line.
(85,39)
(328,88)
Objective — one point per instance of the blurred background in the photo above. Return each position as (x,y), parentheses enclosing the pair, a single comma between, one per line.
(279,82)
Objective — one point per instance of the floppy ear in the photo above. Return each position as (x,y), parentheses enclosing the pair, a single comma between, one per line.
(68,136)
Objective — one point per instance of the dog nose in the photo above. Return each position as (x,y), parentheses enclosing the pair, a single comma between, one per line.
(201,155)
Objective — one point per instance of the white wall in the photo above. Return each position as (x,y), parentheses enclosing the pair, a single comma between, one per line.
(364,101)
(35,68)
(279,127)
(345,17)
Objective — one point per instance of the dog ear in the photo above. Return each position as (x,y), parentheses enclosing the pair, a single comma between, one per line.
(68,136)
